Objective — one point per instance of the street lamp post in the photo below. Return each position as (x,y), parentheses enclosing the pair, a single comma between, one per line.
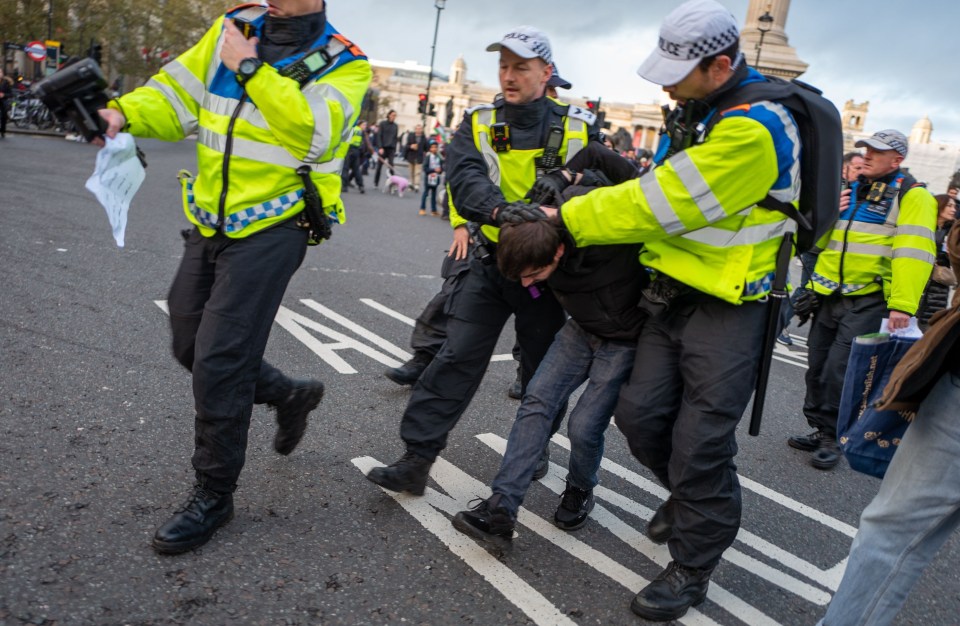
(440,4)
(50,19)
(764,24)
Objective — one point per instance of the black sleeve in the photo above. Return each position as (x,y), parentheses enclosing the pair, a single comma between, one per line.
(596,156)
(471,190)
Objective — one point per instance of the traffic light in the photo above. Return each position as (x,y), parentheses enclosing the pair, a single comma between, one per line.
(433,110)
(422,105)
(593,106)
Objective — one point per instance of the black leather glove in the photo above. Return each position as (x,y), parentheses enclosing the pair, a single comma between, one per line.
(548,188)
(805,304)
(519,212)
(594,178)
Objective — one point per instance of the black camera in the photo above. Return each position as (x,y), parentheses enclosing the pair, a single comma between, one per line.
(75,93)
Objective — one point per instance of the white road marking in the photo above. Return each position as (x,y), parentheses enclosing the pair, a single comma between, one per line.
(388,311)
(296,324)
(660,554)
(359,330)
(746,483)
(411,322)
(515,589)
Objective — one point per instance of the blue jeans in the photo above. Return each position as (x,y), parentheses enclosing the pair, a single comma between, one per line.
(914,513)
(574,357)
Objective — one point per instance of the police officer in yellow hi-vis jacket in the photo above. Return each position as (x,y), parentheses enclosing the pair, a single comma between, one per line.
(875,264)
(496,156)
(713,251)
(272,93)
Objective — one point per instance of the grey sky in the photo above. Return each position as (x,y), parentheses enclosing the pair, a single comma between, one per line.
(900,56)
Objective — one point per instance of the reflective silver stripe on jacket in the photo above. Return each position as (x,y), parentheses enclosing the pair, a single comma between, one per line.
(189,83)
(317,95)
(576,128)
(916,231)
(865,228)
(913,253)
(791,193)
(660,206)
(697,187)
(748,236)
(263,152)
(485,119)
(860,248)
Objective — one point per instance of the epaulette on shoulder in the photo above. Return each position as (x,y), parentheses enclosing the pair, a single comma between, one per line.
(481,107)
(579,113)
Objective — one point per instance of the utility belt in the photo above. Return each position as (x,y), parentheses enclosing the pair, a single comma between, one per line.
(666,293)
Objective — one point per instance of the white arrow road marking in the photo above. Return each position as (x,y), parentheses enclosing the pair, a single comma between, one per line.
(410,322)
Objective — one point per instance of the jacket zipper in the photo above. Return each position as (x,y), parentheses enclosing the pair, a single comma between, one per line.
(228,149)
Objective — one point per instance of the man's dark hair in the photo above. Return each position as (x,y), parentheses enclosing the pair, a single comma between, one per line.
(730,51)
(527,246)
(850,156)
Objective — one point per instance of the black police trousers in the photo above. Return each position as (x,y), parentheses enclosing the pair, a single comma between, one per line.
(430,329)
(478,309)
(694,374)
(837,322)
(222,305)
(351,168)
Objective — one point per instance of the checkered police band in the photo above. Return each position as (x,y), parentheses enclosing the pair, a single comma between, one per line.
(700,49)
(535,45)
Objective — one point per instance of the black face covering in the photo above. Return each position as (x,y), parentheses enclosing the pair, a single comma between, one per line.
(286,36)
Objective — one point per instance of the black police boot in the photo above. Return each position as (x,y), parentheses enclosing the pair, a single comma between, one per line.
(661,524)
(575,506)
(827,455)
(489,523)
(410,473)
(409,372)
(543,464)
(292,414)
(671,593)
(807,443)
(195,522)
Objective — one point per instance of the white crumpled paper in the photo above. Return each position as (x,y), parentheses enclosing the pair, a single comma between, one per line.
(912,331)
(116,178)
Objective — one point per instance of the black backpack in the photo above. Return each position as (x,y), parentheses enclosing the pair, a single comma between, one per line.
(821,152)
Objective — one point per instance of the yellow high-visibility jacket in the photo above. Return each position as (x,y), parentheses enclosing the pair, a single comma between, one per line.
(251,140)
(887,246)
(515,171)
(697,212)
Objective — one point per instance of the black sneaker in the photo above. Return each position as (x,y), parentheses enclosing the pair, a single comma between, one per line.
(409,372)
(807,443)
(672,593)
(543,464)
(194,522)
(575,506)
(827,455)
(292,414)
(488,523)
(410,474)
(785,339)
(661,524)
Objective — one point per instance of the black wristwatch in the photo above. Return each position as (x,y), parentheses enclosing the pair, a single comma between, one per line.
(247,68)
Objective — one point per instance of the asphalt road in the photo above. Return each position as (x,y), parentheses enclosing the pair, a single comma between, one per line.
(96,431)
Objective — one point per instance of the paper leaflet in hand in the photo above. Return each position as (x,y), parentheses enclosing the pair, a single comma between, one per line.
(912,331)
(116,178)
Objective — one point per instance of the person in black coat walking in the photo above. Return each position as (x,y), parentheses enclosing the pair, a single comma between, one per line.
(388,135)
